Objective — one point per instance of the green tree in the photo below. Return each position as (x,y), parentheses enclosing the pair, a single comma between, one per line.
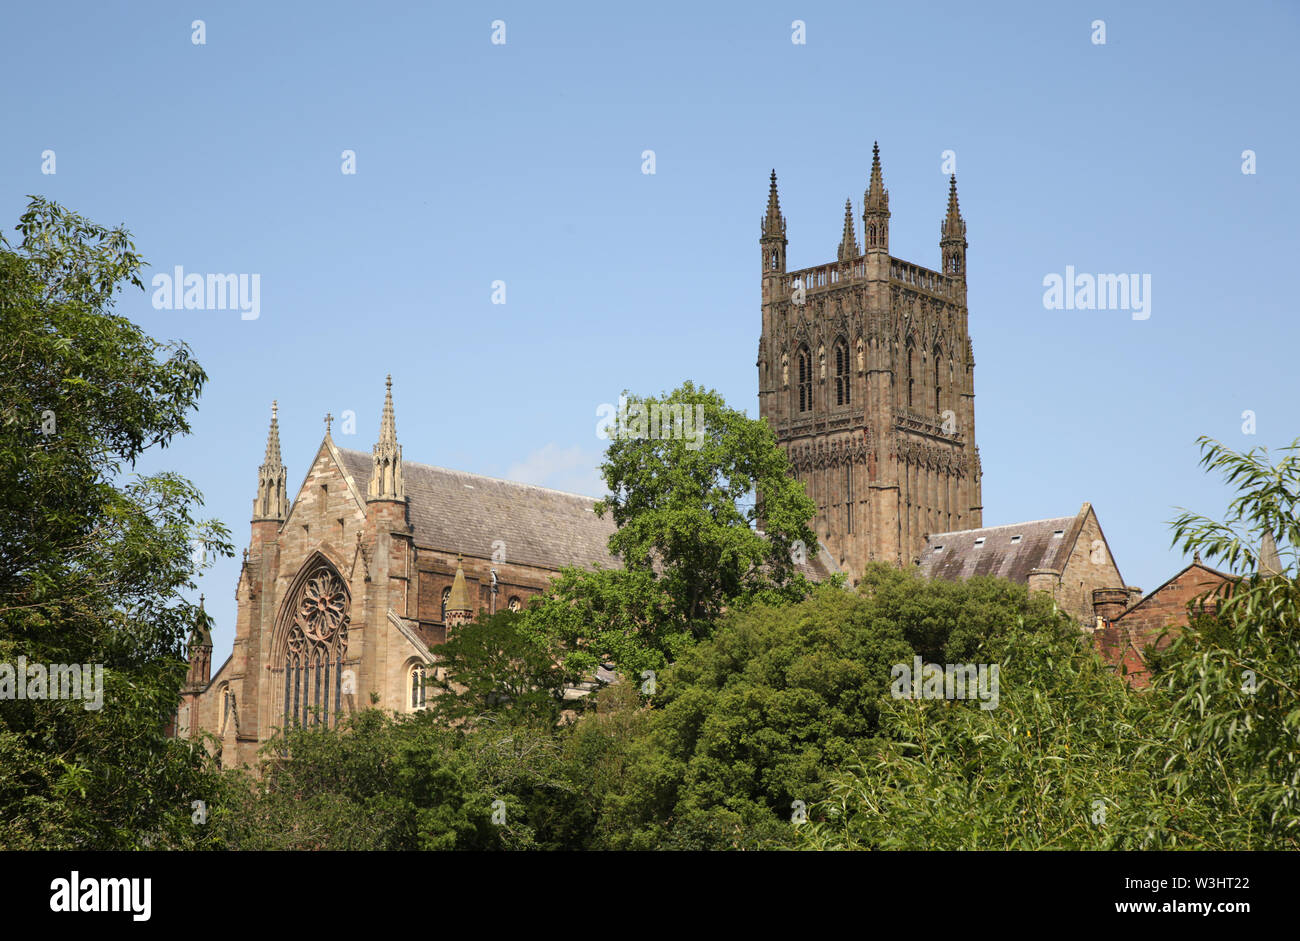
(1227,696)
(92,562)
(1073,759)
(1052,766)
(490,667)
(770,710)
(690,484)
(408,782)
(752,720)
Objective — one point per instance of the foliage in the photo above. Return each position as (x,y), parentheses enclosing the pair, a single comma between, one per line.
(91,565)
(490,667)
(405,782)
(1071,759)
(1228,694)
(1036,772)
(761,715)
(683,497)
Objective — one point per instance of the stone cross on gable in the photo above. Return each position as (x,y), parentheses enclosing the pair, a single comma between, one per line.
(328,419)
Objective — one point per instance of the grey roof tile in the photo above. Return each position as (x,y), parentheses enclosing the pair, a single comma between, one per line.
(961,554)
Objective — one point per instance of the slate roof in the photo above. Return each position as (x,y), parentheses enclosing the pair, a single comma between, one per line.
(956,555)
(459,512)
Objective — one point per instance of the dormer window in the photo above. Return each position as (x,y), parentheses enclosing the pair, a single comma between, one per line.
(1016,538)
(979,542)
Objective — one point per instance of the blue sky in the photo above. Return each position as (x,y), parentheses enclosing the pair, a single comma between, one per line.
(522,163)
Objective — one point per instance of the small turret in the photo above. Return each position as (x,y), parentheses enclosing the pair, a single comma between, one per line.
(459,608)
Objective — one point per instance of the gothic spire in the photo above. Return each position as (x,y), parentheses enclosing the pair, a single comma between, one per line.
(386,461)
(273,436)
(953,224)
(952,236)
(272,502)
(877,197)
(848,241)
(773,222)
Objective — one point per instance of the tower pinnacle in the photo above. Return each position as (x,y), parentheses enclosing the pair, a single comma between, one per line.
(386,461)
(773,222)
(952,223)
(877,197)
(272,502)
(952,236)
(772,242)
(848,241)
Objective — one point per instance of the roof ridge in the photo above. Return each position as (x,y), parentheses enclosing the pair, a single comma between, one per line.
(501,480)
(1046,519)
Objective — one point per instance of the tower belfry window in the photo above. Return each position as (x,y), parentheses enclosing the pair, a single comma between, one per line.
(843,390)
(805,370)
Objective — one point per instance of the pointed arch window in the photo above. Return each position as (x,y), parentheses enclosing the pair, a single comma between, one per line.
(446,595)
(843,390)
(315,632)
(805,371)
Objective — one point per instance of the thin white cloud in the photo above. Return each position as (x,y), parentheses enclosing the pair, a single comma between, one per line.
(572,469)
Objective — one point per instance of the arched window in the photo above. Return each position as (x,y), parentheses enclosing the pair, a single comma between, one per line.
(315,632)
(773,261)
(843,390)
(418,677)
(446,593)
(871,234)
(515,604)
(805,370)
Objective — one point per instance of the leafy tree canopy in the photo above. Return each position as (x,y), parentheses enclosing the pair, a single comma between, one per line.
(91,564)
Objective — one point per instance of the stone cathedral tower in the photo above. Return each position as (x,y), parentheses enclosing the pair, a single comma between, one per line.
(866,375)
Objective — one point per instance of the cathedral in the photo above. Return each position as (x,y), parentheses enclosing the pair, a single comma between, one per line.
(866,376)
(344,592)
